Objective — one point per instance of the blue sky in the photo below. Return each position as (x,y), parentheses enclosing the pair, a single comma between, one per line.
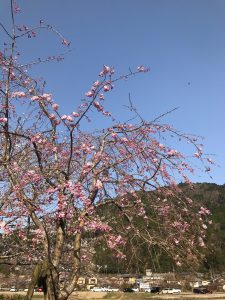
(183,42)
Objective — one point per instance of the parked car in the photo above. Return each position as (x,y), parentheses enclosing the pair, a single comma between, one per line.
(128,290)
(110,289)
(202,291)
(171,291)
(155,289)
(98,289)
(13,289)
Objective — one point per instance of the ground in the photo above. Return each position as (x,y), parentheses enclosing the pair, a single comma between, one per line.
(131,296)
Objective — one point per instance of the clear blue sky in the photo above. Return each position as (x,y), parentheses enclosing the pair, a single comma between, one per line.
(183,42)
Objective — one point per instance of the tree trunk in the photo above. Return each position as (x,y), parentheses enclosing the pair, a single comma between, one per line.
(43,277)
(46,276)
(49,283)
(34,279)
(49,293)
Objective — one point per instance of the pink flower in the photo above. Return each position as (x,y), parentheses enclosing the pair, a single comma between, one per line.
(75,114)
(96,83)
(98,184)
(34,98)
(106,113)
(64,117)
(196,154)
(55,106)
(2,224)
(65,42)
(89,94)
(106,69)
(18,95)
(69,118)
(201,242)
(210,160)
(52,116)
(142,69)
(57,121)
(106,88)
(98,106)
(16,8)
(101,97)
(172,152)
(3,120)
(47,97)
(101,74)
(204,211)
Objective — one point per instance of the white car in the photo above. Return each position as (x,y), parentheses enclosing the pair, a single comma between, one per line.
(98,289)
(114,290)
(13,289)
(171,291)
(110,289)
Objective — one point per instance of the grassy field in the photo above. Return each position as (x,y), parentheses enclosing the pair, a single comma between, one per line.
(129,296)
(144,296)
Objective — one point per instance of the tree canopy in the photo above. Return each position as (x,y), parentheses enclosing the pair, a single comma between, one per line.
(59,183)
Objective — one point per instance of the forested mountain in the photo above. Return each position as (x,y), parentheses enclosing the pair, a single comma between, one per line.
(140,256)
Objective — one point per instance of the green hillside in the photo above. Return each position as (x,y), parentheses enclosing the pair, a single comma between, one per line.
(140,256)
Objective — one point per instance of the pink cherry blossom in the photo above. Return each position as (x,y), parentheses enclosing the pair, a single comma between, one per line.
(18,95)
(98,184)
(96,83)
(75,114)
(142,69)
(47,97)
(106,88)
(210,160)
(69,118)
(89,94)
(52,116)
(34,98)
(3,120)
(63,117)
(201,242)
(65,42)
(197,154)
(204,211)
(101,97)
(2,224)
(55,106)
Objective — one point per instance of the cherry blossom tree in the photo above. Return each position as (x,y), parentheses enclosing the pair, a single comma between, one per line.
(62,187)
